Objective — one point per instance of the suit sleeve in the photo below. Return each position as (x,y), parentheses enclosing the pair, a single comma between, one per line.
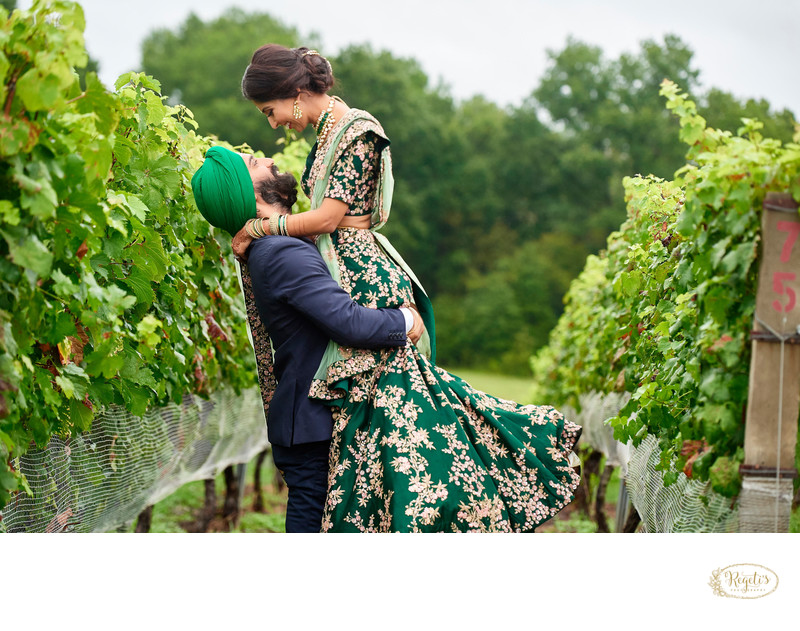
(297,275)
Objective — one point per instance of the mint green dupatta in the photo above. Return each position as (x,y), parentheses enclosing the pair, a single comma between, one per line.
(380,214)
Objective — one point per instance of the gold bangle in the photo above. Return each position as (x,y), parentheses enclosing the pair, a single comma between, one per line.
(273,224)
(247,228)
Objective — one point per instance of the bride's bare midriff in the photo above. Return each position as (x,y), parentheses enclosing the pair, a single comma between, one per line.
(355,221)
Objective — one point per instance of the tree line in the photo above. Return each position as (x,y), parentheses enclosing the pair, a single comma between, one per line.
(495,208)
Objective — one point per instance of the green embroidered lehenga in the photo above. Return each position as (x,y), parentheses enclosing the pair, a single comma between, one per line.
(416,449)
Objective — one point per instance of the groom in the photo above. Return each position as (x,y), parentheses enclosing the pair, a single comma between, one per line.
(302,307)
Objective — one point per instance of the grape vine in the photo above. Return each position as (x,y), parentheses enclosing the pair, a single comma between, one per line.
(665,312)
(113,288)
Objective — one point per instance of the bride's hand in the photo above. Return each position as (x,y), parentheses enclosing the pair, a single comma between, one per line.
(241,241)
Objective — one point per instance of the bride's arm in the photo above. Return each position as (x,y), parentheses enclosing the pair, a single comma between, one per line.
(348,182)
(322,220)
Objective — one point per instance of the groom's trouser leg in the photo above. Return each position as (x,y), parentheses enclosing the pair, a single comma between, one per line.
(305,470)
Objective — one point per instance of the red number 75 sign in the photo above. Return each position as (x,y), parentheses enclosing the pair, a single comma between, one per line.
(780,279)
(778,286)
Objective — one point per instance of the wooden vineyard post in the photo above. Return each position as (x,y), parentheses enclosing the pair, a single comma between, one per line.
(774,390)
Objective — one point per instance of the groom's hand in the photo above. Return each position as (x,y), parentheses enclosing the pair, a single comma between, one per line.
(419,326)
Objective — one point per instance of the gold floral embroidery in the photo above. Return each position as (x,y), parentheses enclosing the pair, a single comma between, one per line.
(373,280)
(353,179)
(261,342)
(402,462)
(365,126)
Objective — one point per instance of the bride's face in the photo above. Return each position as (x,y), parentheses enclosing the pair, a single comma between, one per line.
(280,112)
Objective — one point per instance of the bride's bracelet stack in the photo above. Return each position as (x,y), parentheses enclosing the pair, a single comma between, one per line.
(276,225)
(255,228)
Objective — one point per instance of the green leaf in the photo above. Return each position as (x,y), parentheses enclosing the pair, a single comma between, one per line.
(124,79)
(4,65)
(62,326)
(30,253)
(9,213)
(138,374)
(149,257)
(123,149)
(17,135)
(63,285)
(8,480)
(7,441)
(101,364)
(739,258)
(97,156)
(692,131)
(132,202)
(725,477)
(38,195)
(38,91)
(66,386)
(137,398)
(114,246)
(117,300)
(716,389)
(101,104)
(74,384)
(147,329)
(80,415)
(155,108)
(139,283)
(630,283)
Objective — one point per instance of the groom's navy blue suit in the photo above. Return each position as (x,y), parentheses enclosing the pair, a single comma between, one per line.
(302,307)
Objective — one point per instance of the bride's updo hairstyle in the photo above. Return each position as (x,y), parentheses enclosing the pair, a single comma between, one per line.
(276,72)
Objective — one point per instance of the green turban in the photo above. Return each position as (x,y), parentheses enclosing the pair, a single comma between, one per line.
(223,190)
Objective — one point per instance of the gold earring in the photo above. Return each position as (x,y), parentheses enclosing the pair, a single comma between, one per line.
(296,110)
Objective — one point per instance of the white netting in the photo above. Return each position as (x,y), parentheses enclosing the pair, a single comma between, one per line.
(765,504)
(100,480)
(685,506)
(596,409)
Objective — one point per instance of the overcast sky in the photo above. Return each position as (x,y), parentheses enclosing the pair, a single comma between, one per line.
(498,47)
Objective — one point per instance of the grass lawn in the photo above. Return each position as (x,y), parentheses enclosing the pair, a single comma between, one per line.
(179,511)
(502,386)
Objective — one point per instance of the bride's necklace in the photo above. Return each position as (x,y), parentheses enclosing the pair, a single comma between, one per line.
(325,123)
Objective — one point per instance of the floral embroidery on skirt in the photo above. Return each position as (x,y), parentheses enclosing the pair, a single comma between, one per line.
(416,449)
